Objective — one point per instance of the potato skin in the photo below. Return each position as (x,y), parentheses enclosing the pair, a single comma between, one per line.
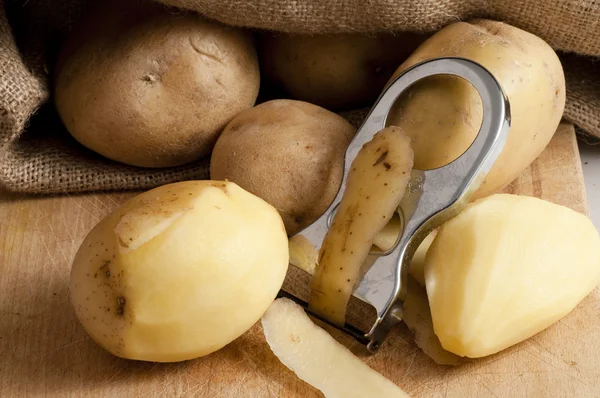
(443,114)
(289,153)
(337,72)
(179,271)
(150,87)
(375,185)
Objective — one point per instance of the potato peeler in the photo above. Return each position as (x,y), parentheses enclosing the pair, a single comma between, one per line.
(432,196)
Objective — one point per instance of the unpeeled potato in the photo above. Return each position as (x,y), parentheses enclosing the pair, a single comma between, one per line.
(337,72)
(153,87)
(289,153)
(506,268)
(442,114)
(179,271)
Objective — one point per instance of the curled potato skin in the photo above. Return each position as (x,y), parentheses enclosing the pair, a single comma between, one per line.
(311,351)
(375,186)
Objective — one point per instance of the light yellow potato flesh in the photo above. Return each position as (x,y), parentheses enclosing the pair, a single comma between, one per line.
(303,254)
(417,264)
(179,271)
(415,309)
(318,359)
(443,114)
(375,186)
(417,317)
(506,268)
(386,238)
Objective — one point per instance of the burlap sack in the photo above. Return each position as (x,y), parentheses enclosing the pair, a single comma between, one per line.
(44,159)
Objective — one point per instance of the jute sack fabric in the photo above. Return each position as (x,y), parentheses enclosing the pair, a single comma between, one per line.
(37,154)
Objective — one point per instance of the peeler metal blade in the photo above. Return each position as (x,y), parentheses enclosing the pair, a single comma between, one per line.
(432,196)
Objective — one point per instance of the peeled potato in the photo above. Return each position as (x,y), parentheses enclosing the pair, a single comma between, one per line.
(442,114)
(386,238)
(416,314)
(303,254)
(318,358)
(506,268)
(179,271)
(417,264)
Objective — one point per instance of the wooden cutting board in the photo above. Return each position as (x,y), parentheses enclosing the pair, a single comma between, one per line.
(44,351)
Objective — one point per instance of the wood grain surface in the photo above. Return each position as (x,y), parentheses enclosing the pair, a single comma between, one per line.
(44,351)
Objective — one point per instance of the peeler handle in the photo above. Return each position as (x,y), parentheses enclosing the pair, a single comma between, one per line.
(433,196)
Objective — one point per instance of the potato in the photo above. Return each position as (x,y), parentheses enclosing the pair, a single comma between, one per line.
(417,264)
(506,268)
(443,114)
(416,315)
(289,153)
(375,186)
(386,238)
(179,271)
(337,72)
(318,358)
(153,87)
(303,254)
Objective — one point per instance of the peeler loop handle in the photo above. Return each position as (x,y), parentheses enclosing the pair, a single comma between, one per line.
(433,196)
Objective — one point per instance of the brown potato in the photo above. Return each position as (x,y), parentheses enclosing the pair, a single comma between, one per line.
(443,114)
(153,87)
(289,153)
(338,72)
